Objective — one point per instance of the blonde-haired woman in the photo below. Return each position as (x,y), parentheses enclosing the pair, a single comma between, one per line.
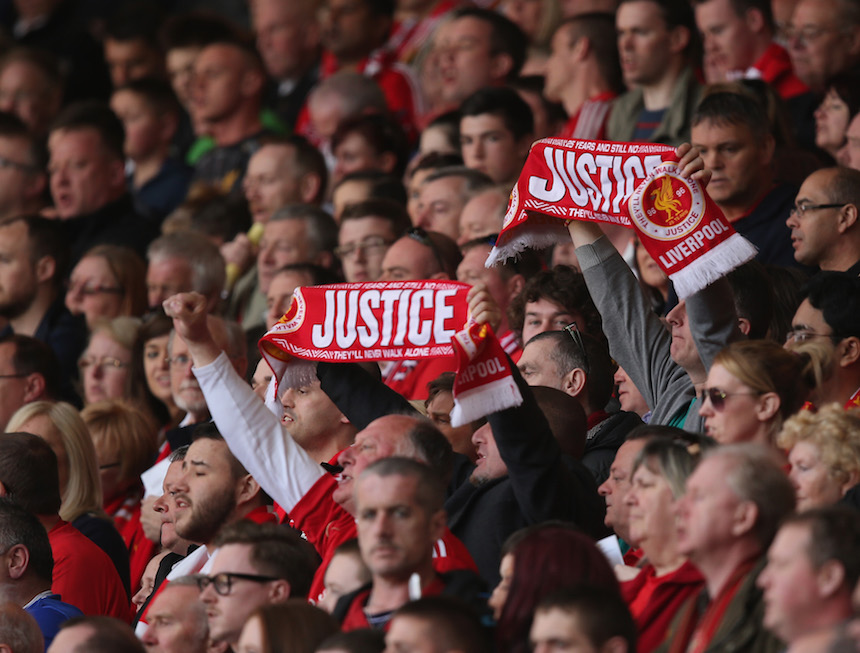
(61,426)
(752,388)
(125,441)
(824,452)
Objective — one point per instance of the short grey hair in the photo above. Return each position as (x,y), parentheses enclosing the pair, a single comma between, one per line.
(208,270)
(755,474)
(321,227)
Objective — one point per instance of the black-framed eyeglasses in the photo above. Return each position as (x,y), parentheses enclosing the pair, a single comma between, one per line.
(801,209)
(12,376)
(576,335)
(718,398)
(223,583)
(420,235)
(109,466)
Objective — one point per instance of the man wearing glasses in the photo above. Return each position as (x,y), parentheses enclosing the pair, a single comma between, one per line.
(367,230)
(823,40)
(824,228)
(830,314)
(256,565)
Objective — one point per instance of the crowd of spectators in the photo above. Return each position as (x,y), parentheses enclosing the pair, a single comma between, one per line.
(682,474)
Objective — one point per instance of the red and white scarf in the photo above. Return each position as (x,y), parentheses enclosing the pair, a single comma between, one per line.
(393,320)
(632,184)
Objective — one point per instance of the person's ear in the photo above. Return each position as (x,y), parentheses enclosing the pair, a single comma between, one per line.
(745,518)
(46,268)
(501,66)
(744,325)
(247,489)
(754,20)
(309,187)
(852,480)
(280,591)
(830,578)
(581,49)
(17,561)
(679,39)
(514,286)
(573,383)
(767,406)
(847,218)
(34,387)
(848,351)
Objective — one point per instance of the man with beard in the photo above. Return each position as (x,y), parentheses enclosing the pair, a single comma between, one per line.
(214,490)
(33,259)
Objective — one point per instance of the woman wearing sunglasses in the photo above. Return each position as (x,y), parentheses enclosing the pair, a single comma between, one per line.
(752,388)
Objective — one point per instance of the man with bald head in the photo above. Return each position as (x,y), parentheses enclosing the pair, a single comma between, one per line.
(824,221)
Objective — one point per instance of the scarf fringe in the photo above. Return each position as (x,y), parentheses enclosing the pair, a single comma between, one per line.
(529,237)
(712,265)
(479,402)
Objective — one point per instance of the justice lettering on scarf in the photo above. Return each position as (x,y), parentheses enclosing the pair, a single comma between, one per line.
(370,321)
(385,318)
(600,183)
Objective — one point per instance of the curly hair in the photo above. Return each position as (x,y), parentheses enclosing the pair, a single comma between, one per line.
(564,286)
(835,432)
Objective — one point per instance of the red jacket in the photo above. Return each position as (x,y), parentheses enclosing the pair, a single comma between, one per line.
(85,576)
(654,610)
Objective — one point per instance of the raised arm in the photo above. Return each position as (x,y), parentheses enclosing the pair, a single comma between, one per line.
(254,434)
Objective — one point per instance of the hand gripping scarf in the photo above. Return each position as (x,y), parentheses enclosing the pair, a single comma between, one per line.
(631,184)
(394,320)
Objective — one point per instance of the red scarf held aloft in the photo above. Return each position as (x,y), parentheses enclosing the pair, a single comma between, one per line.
(632,184)
(393,320)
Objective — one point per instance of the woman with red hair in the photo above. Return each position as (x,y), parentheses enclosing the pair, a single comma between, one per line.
(537,561)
